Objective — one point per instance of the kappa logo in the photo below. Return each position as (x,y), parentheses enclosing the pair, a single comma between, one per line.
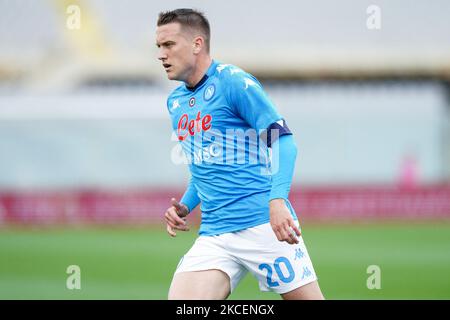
(235,70)
(175,105)
(249,82)
(220,67)
(298,254)
(191,102)
(306,273)
(209,92)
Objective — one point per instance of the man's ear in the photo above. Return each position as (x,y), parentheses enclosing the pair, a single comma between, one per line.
(198,44)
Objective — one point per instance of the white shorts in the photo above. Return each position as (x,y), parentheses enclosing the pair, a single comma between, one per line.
(278,266)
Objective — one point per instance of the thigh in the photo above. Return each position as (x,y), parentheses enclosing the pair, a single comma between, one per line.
(310,291)
(279,267)
(200,285)
(206,271)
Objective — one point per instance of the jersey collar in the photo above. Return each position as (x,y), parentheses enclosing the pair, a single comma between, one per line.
(208,73)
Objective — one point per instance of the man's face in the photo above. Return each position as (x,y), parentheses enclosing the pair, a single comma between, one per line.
(175,51)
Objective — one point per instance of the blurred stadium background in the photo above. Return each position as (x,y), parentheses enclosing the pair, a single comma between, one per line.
(86,151)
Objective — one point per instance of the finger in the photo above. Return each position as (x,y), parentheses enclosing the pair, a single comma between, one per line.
(287,235)
(296,229)
(288,238)
(174,216)
(293,231)
(171,232)
(169,218)
(284,236)
(171,225)
(181,228)
(293,237)
(174,225)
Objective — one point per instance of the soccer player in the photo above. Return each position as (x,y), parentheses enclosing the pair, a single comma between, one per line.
(241,156)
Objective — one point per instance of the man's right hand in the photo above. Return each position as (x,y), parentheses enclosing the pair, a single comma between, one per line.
(176,217)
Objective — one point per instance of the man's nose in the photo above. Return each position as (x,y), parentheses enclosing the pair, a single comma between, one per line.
(162,55)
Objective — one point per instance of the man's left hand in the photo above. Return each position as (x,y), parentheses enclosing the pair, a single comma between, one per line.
(282,223)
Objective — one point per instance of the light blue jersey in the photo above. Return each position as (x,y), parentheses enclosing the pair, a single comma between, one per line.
(217,123)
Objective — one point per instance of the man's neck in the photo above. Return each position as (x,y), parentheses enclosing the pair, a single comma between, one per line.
(200,71)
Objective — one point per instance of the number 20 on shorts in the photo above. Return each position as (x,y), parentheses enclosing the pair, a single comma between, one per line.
(276,266)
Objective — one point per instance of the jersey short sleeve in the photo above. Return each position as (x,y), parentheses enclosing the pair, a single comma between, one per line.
(249,100)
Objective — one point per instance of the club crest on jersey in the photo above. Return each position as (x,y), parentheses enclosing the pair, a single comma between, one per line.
(191,102)
(209,92)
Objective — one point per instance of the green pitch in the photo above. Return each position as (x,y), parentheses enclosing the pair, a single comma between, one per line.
(137,263)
